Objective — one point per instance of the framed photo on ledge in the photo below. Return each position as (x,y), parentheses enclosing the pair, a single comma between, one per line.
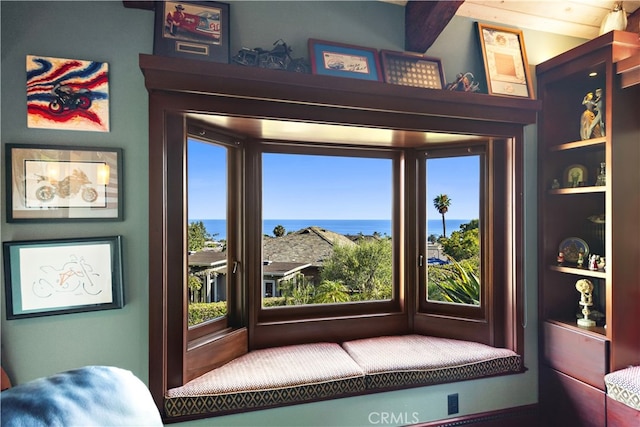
(61,183)
(505,61)
(344,60)
(412,69)
(192,29)
(46,277)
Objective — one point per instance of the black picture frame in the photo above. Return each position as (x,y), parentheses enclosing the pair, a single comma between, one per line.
(412,69)
(200,31)
(63,276)
(63,183)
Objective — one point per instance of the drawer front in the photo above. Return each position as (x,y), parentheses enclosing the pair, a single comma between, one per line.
(567,402)
(577,354)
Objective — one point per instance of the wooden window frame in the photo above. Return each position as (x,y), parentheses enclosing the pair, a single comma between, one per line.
(210,88)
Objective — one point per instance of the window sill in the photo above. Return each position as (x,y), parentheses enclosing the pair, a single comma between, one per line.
(309,372)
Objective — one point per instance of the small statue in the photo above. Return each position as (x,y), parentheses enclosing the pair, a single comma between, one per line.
(555,184)
(592,120)
(560,258)
(593,262)
(601,263)
(580,259)
(602,175)
(585,287)
(464,83)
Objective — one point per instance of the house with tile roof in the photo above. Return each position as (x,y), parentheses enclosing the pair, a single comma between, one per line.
(301,252)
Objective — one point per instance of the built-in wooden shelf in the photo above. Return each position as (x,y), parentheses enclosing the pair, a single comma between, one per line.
(593,142)
(599,274)
(579,190)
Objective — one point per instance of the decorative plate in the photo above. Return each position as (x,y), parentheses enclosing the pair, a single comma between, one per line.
(575,176)
(571,247)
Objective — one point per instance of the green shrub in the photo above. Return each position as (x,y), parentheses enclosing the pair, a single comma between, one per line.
(203,311)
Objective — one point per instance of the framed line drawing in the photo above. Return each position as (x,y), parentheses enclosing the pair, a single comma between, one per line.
(412,69)
(505,61)
(343,60)
(60,183)
(46,277)
(192,29)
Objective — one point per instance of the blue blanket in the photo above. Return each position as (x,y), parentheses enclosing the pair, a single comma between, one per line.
(91,396)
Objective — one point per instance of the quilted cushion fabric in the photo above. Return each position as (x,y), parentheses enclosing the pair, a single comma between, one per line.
(624,386)
(269,377)
(416,359)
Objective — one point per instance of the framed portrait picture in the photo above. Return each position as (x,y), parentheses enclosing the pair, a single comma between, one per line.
(46,277)
(412,69)
(60,183)
(343,60)
(505,61)
(192,29)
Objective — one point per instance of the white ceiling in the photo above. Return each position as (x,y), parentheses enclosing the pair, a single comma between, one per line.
(577,18)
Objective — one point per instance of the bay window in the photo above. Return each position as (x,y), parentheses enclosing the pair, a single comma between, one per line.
(381,144)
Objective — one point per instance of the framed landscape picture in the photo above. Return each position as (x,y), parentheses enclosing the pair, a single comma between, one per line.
(505,61)
(45,277)
(343,60)
(192,29)
(61,183)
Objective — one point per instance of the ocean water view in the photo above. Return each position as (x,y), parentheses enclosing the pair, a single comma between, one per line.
(217,227)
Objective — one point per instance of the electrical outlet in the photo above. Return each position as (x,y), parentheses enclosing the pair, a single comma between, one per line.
(452,404)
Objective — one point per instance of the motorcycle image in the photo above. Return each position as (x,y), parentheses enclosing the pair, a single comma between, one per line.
(68,98)
(73,277)
(278,58)
(77,182)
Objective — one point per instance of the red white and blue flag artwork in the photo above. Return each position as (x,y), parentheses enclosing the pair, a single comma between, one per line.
(67,94)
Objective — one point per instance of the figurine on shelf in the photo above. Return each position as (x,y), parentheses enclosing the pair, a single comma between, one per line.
(601,263)
(593,262)
(555,184)
(602,175)
(465,82)
(592,121)
(560,258)
(585,287)
(580,259)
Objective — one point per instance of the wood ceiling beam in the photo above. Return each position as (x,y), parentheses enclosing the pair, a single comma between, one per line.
(425,20)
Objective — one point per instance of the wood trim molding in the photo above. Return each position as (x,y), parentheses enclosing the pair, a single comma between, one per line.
(373,103)
(522,416)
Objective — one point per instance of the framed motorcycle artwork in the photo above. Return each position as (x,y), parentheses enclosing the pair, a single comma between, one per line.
(46,277)
(192,29)
(63,183)
(67,94)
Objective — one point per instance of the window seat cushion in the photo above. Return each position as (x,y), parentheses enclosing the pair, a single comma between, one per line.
(413,360)
(308,372)
(624,386)
(269,377)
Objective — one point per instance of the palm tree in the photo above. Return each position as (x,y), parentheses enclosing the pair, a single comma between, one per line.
(278,231)
(442,203)
(331,292)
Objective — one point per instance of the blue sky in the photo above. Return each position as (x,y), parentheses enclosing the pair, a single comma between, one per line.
(328,187)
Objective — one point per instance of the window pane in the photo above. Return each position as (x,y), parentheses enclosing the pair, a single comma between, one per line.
(327,229)
(207,219)
(453,231)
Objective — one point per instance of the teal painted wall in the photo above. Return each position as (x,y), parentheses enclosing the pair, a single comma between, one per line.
(108,32)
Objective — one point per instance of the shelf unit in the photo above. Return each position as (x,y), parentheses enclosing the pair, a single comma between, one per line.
(575,359)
